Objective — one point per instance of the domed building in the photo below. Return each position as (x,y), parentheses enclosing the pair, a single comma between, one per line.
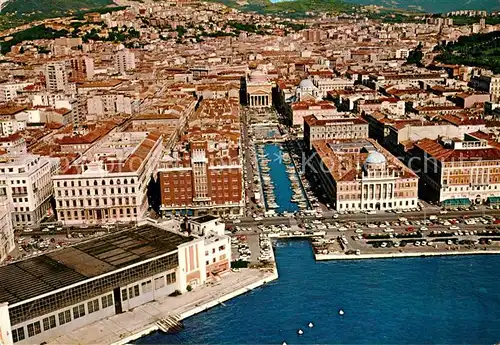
(359,175)
(307,90)
(259,89)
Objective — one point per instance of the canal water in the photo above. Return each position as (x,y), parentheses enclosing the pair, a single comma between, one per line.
(433,300)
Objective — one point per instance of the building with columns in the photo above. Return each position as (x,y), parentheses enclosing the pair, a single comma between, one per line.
(359,174)
(259,90)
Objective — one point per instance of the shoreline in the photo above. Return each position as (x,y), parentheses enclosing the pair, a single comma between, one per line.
(203,307)
(328,257)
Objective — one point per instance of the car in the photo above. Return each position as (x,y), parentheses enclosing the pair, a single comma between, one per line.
(28,230)
(359,231)
(383,245)
(335,216)
(423,228)
(371,226)
(382,226)
(443,212)
(388,230)
(453,227)
(371,212)
(342,228)
(258,218)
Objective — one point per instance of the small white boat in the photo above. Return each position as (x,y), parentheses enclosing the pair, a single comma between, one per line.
(300,332)
(311,325)
(341,312)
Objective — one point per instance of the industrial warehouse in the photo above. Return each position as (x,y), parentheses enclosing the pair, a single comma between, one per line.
(50,295)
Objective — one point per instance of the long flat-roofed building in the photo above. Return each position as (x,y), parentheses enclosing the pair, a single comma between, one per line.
(460,172)
(359,174)
(50,295)
(110,182)
(317,127)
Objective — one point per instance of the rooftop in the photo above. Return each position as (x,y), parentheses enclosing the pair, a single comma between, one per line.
(205,219)
(43,274)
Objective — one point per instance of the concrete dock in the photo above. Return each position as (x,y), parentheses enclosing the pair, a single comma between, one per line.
(131,325)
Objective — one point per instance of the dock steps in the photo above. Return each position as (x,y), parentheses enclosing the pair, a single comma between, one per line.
(170,324)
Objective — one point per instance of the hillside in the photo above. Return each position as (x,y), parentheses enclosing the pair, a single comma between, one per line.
(19,12)
(480,50)
(297,8)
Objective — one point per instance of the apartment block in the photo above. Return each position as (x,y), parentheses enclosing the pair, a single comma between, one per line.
(109,183)
(26,181)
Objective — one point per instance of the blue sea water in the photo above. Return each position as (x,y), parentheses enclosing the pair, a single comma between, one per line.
(434,300)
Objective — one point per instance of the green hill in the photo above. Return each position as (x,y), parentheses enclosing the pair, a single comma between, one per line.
(44,6)
(297,8)
(19,12)
(480,50)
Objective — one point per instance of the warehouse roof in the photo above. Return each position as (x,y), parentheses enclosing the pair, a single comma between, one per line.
(55,270)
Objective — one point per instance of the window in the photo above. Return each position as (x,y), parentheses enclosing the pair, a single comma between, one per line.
(159,282)
(124,295)
(49,322)
(147,286)
(18,334)
(34,329)
(64,317)
(78,311)
(93,306)
(171,278)
(107,301)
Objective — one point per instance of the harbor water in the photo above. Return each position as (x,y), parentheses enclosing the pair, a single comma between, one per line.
(433,300)
(277,161)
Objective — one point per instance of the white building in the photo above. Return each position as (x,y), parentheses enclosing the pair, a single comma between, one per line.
(10,126)
(307,91)
(88,282)
(110,182)
(56,76)
(8,91)
(358,174)
(7,244)
(48,99)
(326,84)
(102,105)
(124,61)
(217,244)
(26,181)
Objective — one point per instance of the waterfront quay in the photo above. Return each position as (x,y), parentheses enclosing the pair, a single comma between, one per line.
(129,326)
(388,235)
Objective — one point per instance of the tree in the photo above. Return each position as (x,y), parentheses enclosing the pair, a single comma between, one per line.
(415,56)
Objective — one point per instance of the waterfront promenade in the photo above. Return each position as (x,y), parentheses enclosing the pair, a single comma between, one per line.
(126,327)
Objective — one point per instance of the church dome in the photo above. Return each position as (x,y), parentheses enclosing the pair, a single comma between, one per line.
(375,158)
(306,84)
